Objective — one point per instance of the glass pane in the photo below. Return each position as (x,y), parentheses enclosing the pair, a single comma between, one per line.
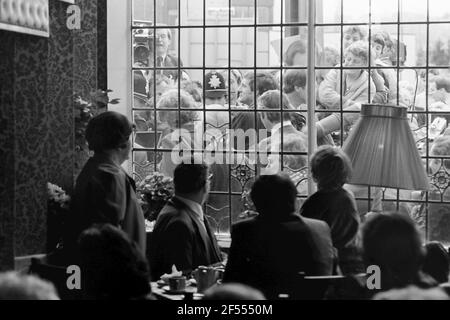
(356,11)
(268,47)
(413,41)
(439,47)
(217,12)
(191,12)
(242,12)
(329,46)
(269,12)
(167,12)
(384,11)
(295,11)
(143,12)
(216,47)
(191,47)
(439,10)
(242,47)
(413,11)
(295,51)
(328,11)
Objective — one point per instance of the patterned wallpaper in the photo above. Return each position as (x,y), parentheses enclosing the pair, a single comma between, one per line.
(6,152)
(38,80)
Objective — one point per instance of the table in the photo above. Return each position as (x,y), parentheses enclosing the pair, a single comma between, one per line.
(161,294)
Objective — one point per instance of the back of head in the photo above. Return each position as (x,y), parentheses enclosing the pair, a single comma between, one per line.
(274,196)
(233,291)
(107,131)
(297,47)
(275,100)
(112,265)
(392,242)
(261,82)
(174,99)
(436,263)
(330,167)
(23,287)
(294,78)
(190,176)
(443,82)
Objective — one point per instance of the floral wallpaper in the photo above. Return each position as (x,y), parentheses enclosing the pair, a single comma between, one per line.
(38,80)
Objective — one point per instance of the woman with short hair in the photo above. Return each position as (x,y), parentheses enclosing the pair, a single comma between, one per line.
(104,192)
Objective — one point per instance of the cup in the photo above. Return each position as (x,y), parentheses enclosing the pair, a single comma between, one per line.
(177,284)
(206,277)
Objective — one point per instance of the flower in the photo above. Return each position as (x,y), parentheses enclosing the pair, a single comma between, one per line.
(153,193)
(56,195)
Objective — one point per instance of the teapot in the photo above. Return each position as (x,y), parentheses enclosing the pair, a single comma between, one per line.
(206,277)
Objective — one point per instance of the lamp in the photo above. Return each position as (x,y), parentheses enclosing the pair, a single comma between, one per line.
(383,152)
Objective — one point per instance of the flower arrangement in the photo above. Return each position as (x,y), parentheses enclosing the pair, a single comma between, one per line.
(57,207)
(153,192)
(57,196)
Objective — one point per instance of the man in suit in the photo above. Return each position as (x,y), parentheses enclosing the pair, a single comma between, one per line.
(269,251)
(182,235)
(163,39)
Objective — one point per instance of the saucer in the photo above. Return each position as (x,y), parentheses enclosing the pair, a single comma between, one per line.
(186,290)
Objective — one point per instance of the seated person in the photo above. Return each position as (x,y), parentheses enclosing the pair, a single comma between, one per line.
(392,242)
(268,251)
(182,235)
(14,286)
(354,91)
(389,76)
(294,86)
(331,169)
(436,262)
(112,266)
(233,291)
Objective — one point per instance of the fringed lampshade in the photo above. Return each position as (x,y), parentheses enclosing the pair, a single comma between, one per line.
(383,151)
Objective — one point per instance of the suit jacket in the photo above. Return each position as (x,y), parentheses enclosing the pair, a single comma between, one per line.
(179,239)
(104,193)
(268,254)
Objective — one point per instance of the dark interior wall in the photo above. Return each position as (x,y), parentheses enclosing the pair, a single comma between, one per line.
(39,78)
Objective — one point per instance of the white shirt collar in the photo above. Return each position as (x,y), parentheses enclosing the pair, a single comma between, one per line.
(194,206)
(278,126)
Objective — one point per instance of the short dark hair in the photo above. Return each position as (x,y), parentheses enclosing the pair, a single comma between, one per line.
(330,167)
(436,262)
(292,79)
(274,196)
(108,130)
(442,82)
(274,100)
(298,46)
(261,82)
(190,176)
(113,267)
(392,242)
